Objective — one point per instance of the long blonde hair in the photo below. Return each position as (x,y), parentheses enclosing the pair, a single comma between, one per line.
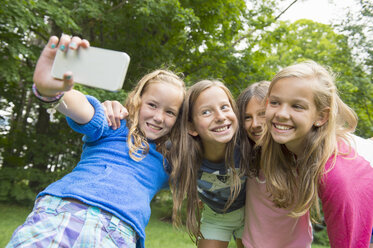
(294,183)
(137,142)
(186,158)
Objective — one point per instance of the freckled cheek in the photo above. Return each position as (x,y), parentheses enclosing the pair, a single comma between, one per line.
(170,123)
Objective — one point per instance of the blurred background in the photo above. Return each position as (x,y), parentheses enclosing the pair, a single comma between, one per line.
(237,41)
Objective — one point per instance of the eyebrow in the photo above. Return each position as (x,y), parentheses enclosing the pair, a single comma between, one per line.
(173,109)
(296,100)
(212,105)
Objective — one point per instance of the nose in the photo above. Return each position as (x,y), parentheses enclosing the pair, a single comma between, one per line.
(158,116)
(257,122)
(220,116)
(282,112)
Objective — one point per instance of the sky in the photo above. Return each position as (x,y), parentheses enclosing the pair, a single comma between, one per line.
(324,11)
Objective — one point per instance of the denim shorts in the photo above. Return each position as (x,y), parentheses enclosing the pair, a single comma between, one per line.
(215,226)
(57,222)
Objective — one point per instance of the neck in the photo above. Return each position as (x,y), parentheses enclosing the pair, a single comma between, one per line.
(215,153)
(297,151)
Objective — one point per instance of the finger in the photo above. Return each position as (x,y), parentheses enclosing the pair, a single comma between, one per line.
(117,112)
(45,83)
(85,43)
(110,114)
(49,50)
(52,43)
(68,81)
(112,118)
(107,117)
(75,43)
(64,42)
(123,113)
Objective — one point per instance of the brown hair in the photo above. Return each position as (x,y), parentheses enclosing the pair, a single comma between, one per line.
(249,153)
(186,158)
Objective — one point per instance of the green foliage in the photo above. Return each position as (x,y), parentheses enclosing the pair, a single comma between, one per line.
(236,41)
(155,34)
(289,43)
(358,28)
(321,238)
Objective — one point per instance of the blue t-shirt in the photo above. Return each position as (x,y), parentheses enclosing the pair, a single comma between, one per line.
(108,178)
(214,186)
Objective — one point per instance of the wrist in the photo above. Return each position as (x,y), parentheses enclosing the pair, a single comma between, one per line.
(46,99)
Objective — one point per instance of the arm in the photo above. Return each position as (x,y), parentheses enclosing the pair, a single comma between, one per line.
(346,193)
(75,106)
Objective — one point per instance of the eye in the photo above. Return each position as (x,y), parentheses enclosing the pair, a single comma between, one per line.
(248,118)
(206,112)
(152,105)
(274,103)
(298,106)
(226,107)
(171,113)
(262,113)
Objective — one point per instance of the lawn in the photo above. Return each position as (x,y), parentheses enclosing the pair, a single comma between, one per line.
(158,233)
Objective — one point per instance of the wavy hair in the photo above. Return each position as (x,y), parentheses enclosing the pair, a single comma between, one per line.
(186,158)
(137,142)
(294,182)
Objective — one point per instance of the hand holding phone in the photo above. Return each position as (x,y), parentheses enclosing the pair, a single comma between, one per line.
(93,66)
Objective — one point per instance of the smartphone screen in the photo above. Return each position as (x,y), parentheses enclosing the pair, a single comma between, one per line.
(93,66)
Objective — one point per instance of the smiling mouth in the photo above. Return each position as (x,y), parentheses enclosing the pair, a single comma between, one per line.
(154,127)
(221,129)
(282,127)
(257,133)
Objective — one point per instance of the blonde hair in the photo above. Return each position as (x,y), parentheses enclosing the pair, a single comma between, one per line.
(294,183)
(137,142)
(187,156)
(249,154)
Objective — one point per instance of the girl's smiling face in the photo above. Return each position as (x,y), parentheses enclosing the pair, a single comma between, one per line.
(214,120)
(291,112)
(255,118)
(160,105)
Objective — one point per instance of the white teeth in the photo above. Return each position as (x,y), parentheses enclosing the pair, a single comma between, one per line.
(282,127)
(154,127)
(257,134)
(221,129)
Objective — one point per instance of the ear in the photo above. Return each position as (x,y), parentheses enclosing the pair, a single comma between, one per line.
(323,117)
(191,130)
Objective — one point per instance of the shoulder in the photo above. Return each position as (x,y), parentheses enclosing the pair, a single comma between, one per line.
(348,171)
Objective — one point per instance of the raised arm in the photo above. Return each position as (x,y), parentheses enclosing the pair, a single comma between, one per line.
(75,105)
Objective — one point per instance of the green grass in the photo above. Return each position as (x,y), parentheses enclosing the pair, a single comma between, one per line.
(11,217)
(158,233)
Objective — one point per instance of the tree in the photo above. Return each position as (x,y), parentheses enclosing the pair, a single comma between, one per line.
(194,37)
(358,28)
(304,39)
(229,40)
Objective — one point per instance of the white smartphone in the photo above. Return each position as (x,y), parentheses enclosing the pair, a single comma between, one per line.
(93,66)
